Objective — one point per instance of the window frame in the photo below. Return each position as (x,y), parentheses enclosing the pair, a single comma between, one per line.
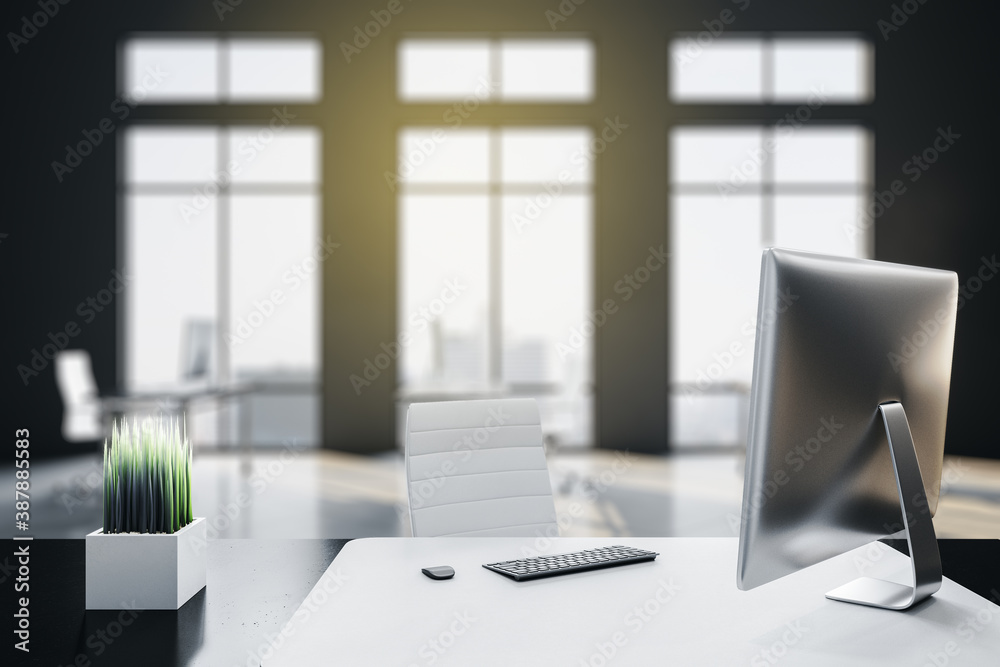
(763,114)
(221,116)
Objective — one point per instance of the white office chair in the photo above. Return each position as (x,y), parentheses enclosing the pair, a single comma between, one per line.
(478,468)
(83,411)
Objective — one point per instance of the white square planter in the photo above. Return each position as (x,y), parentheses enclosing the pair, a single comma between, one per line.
(146,571)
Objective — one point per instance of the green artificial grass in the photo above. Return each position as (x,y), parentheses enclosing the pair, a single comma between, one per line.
(147,478)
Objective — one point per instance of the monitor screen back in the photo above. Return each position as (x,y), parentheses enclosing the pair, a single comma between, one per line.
(835,338)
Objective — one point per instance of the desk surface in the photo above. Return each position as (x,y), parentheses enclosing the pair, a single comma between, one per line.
(254,588)
(374,607)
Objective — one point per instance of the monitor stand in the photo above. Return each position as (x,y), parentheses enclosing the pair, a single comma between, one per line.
(920,538)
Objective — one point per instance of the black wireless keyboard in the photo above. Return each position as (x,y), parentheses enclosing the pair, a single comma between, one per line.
(578,561)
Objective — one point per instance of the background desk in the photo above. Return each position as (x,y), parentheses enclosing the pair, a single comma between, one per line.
(254,587)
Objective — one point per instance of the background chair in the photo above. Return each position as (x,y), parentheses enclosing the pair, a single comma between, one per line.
(478,468)
(83,410)
(88,414)
(197,355)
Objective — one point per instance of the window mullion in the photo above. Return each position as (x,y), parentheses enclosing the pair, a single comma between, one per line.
(223,71)
(767,188)
(495,333)
(222,282)
(767,71)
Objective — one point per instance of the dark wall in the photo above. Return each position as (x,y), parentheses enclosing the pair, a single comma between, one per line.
(935,72)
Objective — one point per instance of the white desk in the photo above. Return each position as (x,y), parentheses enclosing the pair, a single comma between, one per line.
(374,607)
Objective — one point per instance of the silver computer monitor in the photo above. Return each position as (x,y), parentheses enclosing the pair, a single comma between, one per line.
(852,368)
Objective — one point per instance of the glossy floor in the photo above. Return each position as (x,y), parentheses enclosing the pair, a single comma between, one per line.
(310,493)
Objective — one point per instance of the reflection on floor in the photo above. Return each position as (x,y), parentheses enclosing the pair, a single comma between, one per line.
(312,493)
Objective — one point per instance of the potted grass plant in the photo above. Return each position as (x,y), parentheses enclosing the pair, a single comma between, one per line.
(150,553)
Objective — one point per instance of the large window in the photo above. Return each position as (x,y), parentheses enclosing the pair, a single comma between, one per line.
(222,234)
(739,187)
(495,231)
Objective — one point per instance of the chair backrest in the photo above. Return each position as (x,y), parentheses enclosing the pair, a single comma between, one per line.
(78,390)
(478,468)
(75,377)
